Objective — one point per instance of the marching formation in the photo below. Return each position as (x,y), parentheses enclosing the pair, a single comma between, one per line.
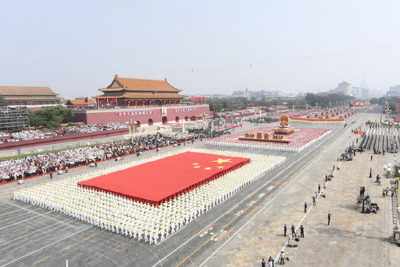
(301,139)
(139,220)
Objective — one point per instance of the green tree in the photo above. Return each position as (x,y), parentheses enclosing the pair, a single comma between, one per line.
(215,106)
(3,103)
(374,100)
(49,117)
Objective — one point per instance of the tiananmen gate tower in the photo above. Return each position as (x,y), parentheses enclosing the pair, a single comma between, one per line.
(140,92)
(146,102)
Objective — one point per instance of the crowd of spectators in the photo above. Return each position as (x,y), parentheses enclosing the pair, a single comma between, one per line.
(68,130)
(35,165)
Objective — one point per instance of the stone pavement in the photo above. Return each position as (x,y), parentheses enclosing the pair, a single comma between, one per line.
(352,239)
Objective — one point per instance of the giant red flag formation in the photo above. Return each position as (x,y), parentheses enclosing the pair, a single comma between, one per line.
(211,177)
(142,183)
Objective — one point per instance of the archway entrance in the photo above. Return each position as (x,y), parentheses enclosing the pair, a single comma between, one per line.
(186,118)
(164,119)
(193,118)
(150,122)
(137,124)
(177,119)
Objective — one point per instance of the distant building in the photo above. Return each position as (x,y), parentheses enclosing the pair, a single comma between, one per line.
(29,95)
(360,93)
(344,88)
(246,93)
(394,91)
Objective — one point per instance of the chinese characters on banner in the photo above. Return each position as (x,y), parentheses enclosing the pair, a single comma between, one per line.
(178,110)
(134,113)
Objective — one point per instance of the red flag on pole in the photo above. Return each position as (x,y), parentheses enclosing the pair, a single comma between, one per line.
(86,100)
(114,100)
(204,99)
(104,101)
(191,99)
(195,99)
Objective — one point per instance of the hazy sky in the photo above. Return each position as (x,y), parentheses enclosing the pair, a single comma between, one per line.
(76,47)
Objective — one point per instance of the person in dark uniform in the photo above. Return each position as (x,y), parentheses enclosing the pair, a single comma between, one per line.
(293,232)
(305,207)
(284,230)
(319,188)
(329,218)
(263,263)
(95,164)
(302,231)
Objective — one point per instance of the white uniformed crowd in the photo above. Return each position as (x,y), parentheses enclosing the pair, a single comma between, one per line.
(300,139)
(140,220)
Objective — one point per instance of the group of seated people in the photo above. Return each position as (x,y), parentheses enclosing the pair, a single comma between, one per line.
(36,165)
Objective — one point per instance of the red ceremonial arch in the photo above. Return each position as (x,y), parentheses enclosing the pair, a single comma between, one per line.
(158,181)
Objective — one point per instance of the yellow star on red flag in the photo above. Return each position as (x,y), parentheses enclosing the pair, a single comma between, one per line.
(196,167)
(220,167)
(208,168)
(222,160)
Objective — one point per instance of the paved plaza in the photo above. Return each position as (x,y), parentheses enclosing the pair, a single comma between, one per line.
(240,231)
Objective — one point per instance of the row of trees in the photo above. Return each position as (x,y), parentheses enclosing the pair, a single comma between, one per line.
(219,104)
(329,100)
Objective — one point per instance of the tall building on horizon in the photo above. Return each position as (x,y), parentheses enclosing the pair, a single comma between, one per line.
(344,88)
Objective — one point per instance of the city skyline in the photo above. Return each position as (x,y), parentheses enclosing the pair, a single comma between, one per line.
(210,47)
